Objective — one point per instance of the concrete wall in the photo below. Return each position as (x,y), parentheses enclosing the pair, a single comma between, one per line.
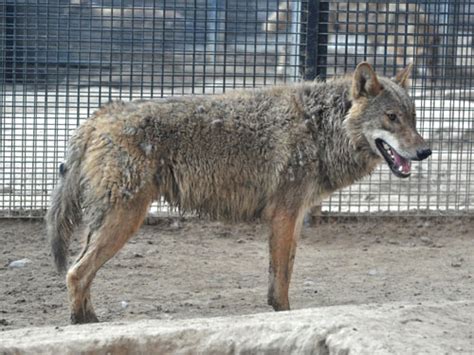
(444,328)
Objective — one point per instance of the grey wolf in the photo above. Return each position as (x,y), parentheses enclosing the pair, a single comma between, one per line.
(399,33)
(266,154)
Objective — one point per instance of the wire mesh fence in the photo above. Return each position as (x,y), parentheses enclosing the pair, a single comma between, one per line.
(62,59)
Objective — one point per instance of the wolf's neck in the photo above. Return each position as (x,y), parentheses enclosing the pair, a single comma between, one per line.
(338,162)
(342,162)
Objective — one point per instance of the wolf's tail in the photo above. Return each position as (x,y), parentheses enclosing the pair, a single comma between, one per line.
(65,212)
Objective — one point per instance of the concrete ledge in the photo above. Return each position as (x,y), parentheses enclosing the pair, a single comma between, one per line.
(443,328)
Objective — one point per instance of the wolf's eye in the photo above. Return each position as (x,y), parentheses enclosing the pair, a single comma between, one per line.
(392,116)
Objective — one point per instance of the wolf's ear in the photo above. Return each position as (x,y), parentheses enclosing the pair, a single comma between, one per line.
(403,77)
(365,81)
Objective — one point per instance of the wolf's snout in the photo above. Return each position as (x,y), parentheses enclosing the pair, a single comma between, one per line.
(424,153)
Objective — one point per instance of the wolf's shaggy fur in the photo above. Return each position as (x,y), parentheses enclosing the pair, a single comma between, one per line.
(268,153)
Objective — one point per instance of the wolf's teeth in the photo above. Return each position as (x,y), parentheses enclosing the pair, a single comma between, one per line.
(400,169)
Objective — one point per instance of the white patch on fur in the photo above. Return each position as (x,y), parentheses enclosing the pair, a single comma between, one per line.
(147,148)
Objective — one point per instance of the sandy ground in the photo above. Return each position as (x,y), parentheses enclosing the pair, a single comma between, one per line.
(193,268)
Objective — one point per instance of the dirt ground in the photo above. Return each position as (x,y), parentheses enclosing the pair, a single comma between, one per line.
(186,268)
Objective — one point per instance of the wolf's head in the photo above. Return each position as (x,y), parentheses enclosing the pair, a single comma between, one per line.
(383,118)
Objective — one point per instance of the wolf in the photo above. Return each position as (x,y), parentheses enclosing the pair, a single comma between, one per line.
(398,32)
(267,154)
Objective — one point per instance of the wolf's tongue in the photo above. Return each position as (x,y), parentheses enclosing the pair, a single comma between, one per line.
(400,161)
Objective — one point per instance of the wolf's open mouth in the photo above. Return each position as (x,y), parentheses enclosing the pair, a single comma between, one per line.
(400,166)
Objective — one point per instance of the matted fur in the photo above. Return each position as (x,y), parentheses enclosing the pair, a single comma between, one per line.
(266,153)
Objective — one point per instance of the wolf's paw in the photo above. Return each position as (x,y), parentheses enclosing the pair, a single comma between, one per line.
(277,305)
(84,317)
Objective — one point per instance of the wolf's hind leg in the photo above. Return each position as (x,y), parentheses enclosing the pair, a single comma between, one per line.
(118,225)
(285,229)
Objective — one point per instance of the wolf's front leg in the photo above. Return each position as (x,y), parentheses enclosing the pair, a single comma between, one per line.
(285,229)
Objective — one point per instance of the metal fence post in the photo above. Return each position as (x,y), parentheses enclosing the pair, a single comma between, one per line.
(316,40)
(8,34)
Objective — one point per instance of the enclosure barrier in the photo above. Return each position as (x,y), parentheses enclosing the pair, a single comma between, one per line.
(61,59)
(349,329)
